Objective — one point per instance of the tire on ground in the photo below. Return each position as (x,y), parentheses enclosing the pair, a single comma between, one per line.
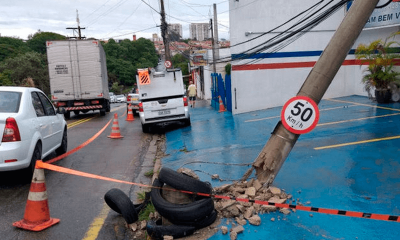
(193,211)
(181,181)
(118,201)
(201,223)
(176,231)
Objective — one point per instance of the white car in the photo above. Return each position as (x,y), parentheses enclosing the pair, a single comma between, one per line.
(113,97)
(30,128)
(121,98)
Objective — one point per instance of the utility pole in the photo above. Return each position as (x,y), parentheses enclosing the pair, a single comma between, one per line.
(216,48)
(78,28)
(281,142)
(164,33)
(213,47)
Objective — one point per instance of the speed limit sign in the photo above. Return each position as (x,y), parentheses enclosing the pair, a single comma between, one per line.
(300,115)
(167,64)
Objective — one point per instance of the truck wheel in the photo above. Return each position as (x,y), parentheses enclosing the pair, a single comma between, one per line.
(102,112)
(146,128)
(187,122)
(108,109)
(76,112)
(67,115)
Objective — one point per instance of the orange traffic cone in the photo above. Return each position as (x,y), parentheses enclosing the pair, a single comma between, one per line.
(115,132)
(221,105)
(130,116)
(37,214)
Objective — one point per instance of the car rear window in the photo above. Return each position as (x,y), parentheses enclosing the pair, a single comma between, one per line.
(9,101)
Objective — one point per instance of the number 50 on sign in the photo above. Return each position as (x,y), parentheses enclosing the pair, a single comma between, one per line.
(300,115)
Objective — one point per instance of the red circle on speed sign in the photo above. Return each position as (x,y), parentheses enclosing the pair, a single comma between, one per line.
(167,64)
(300,115)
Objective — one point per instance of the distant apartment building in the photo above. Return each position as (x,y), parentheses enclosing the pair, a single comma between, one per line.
(199,31)
(175,27)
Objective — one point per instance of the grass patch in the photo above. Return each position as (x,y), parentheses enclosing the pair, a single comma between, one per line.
(141,196)
(144,213)
(184,150)
(149,173)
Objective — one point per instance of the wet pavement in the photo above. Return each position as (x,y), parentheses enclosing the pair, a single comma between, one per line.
(350,161)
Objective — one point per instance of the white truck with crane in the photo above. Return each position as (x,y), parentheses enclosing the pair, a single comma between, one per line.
(162,97)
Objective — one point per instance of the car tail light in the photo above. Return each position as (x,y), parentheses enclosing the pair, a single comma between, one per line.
(11,131)
(128,99)
(185,101)
(140,107)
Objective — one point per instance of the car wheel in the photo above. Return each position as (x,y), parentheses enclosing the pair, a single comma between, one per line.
(37,155)
(193,211)
(120,202)
(64,144)
(157,231)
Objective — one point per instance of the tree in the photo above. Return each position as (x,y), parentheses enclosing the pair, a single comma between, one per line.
(180,61)
(11,47)
(125,57)
(38,41)
(28,65)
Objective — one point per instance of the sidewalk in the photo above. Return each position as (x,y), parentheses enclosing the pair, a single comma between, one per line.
(362,174)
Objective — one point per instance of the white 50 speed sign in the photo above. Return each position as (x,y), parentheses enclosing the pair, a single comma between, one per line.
(300,115)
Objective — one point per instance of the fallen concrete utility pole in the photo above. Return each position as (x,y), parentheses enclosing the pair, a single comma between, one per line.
(273,155)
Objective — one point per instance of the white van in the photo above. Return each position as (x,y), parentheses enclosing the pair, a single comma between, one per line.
(162,97)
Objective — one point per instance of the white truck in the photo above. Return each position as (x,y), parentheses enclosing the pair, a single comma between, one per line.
(78,76)
(162,96)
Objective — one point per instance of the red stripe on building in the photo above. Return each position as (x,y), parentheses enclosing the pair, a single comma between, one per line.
(295,65)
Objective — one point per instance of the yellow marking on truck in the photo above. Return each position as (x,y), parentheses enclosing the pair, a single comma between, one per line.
(97,224)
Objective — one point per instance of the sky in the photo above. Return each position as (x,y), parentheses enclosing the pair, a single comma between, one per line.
(104,19)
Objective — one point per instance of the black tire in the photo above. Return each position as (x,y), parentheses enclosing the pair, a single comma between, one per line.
(102,112)
(193,211)
(146,128)
(64,144)
(36,155)
(76,112)
(159,231)
(118,201)
(187,122)
(108,108)
(201,223)
(183,182)
(67,115)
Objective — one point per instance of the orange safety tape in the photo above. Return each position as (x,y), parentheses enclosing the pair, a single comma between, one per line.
(384,217)
(80,146)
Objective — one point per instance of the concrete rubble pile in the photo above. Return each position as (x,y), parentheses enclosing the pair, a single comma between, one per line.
(243,212)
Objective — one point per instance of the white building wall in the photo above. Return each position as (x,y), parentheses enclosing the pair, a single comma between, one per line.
(261,88)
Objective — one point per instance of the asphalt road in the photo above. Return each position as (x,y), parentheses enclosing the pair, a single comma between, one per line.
(78,201)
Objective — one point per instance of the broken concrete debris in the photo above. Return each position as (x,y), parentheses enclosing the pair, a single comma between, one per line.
(243,212)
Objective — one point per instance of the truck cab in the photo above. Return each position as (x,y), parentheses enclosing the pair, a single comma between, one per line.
(162,97)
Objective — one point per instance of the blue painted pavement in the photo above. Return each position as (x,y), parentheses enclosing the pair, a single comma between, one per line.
(361,174)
